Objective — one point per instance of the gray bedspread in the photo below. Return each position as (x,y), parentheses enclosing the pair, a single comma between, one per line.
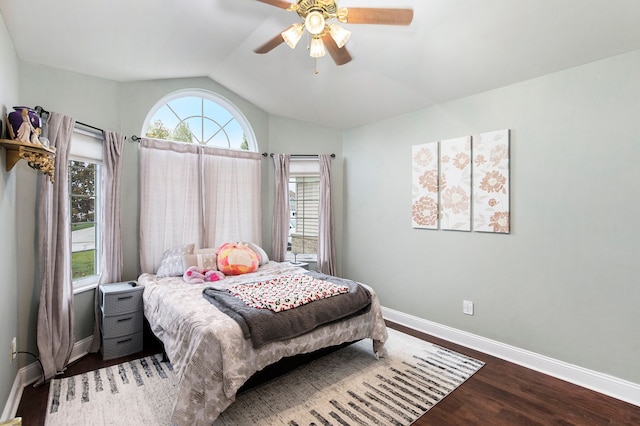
(263,326)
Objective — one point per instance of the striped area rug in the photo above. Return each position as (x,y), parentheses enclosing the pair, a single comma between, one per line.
(139,392)
(346,387)
(351,387)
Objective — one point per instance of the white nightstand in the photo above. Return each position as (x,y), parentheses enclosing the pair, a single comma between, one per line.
(121,319)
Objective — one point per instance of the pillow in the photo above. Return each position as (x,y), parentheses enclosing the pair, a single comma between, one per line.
(202,261)
(237,259)
(205,250)
(171,264)
(262,255)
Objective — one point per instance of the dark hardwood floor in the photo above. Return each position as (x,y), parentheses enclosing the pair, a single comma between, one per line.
(501,393)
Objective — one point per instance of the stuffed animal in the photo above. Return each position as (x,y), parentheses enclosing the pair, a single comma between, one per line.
(237,259)
(195,275)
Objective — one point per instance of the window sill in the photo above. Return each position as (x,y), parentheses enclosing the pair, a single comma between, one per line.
(301,258)
(83,287)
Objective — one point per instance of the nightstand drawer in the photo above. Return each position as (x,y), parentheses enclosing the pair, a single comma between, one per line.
(120,325)
(120,298)
(121,346)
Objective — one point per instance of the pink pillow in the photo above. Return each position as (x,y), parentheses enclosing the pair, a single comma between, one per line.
(237,259)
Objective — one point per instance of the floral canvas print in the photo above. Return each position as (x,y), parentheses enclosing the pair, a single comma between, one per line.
(491,182)
(424,200)
(455,184)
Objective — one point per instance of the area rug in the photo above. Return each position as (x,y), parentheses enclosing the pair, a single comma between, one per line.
(347,387)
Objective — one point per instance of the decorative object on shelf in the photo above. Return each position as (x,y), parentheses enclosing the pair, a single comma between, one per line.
(38,156)
(24,124)
(24,128)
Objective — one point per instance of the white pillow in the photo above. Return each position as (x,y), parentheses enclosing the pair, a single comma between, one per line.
(262,255)
(171,264)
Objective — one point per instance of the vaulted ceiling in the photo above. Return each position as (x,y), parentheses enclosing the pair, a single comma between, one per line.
(452,49)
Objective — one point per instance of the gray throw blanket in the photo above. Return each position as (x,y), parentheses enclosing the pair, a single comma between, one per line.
(264,326)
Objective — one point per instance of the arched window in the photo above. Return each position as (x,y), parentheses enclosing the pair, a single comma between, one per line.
(198,116)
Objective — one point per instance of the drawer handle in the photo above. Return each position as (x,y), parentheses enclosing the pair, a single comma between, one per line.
(125,319)
(125,297)
(125,340)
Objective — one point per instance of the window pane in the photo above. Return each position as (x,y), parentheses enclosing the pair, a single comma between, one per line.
(83,237)
(82,209)
(83,264)
(303,225)
(83,176)
(83,189)
(187,106)
(210,123)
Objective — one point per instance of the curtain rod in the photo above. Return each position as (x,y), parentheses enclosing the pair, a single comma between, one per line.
(41,111)
(264,154)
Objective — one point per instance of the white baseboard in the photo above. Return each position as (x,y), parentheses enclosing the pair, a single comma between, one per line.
(29,374)
(598,382)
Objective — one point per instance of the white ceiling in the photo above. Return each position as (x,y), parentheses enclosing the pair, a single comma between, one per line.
(453,48)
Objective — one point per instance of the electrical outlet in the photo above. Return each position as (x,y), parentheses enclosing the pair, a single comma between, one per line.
(14,350)
(467,307)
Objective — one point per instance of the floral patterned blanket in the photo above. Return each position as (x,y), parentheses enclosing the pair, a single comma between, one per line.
(286,292)
(264,325)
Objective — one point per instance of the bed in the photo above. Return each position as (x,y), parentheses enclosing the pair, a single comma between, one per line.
(208,349)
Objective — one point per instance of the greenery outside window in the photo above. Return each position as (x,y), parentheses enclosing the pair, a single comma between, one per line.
(84,201)
(198,116)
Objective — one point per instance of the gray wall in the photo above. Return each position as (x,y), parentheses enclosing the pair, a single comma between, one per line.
(9,198)
(564,283)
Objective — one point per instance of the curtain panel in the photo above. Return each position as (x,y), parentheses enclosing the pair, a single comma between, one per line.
(280,224)
(326,247)
(111,248)
(55,329)
(196,194)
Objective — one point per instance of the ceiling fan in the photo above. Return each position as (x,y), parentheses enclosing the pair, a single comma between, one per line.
(316,15)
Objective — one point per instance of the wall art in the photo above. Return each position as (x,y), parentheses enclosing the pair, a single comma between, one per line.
(424,203)
(462,183)
(491,208)
(455,184)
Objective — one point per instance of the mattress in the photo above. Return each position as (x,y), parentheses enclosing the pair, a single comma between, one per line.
(207,348)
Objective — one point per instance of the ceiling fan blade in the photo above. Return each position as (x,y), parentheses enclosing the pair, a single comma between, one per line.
(340,55)
(271,44)
(277,3)
(368,15)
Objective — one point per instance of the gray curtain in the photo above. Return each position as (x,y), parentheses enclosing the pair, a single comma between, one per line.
(326,248)
(111,262)
(55,330)
(280,228)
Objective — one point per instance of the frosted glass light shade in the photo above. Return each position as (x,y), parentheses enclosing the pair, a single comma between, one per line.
(314,22)
(317,48)
(339,34)
(293,35)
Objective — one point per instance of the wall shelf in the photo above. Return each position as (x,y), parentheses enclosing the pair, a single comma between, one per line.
(39,157)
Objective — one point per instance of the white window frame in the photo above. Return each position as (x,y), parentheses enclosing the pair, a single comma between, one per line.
(303,167)
(213,97)
(87,147)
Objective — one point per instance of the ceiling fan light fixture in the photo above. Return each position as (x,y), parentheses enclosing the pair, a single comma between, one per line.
(293,35)
(317,50)
(314,22)
(339,34)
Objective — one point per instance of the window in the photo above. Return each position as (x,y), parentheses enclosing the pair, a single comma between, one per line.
(197,116)
(304,201)
(84,192)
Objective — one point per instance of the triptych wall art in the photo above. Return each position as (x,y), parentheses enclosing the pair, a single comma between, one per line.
(462,184)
